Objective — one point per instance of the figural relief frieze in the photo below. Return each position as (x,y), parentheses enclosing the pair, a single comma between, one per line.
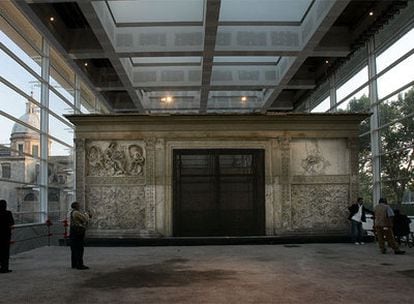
(319,207)
(115,159)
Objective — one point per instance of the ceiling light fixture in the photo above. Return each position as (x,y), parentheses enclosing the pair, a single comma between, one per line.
(167,99)
(52,19)
(371,13)
(326,61)
(243,98)
(85,64)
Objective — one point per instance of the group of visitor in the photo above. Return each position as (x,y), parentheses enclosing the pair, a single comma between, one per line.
(389,225)
(78,222)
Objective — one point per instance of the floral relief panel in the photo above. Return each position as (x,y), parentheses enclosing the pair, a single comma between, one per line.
(116,207)
(319,207)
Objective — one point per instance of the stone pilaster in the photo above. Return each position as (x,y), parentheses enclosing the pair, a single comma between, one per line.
(150,144)
(284,143)
(80,170)
(353,147)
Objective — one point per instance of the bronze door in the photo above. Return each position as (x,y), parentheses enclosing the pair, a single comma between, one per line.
(218,192)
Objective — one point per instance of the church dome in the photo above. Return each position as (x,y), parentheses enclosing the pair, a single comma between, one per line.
(31,117)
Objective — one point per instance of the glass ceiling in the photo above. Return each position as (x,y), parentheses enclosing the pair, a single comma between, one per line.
(246,59)
(267,11)
(166,60)
(228,47)
(144,11)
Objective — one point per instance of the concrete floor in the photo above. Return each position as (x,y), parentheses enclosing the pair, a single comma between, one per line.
(306,273)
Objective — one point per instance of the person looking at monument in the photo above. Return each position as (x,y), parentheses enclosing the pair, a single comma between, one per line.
(6,223)
(78,222)
(383,222)
(357,216)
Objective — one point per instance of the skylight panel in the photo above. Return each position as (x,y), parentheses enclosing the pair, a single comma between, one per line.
(147,11)
(267,11)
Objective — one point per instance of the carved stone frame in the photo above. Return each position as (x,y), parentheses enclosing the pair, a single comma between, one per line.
(215,144)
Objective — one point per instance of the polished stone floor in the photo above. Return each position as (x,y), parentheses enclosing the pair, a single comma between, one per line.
(303,273)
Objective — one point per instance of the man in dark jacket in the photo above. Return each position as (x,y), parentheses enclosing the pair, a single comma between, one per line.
(357,216)
(6,223)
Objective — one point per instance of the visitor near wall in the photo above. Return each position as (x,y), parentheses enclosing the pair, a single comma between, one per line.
(383,223)
(78,223)
(357,216)
(6,223)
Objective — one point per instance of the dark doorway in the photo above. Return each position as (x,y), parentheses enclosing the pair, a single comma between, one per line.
(218,192)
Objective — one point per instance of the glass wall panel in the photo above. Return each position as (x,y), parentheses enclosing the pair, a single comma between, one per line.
(19,184)
(6,126)
(16,105)
(28,205)
(60,130)
(60,70)
(397,77)
(352,84)
(25,28)
(397,107)
(84,110)
(58,149)
(20,151)
(397,165)
(59,106)
(61,85)
(18,137)
(397,50)
(358,102)
(61,183)
(23,50)
(398,135)
(323,106)
(88,100)
(365,175)
(19,76)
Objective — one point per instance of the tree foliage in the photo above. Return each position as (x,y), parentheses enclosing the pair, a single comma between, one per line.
(396,120)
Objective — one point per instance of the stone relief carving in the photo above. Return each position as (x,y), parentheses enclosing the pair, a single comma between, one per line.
(319,206)
(117,207)
(314,162)
(115,159)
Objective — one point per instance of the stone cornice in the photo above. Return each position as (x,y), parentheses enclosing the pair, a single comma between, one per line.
(257,122)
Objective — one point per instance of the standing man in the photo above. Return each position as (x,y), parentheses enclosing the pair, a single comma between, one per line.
(357,215)
(78,223)
(6,223)
(383,221)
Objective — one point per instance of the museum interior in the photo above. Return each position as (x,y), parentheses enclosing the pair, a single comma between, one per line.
(204,118)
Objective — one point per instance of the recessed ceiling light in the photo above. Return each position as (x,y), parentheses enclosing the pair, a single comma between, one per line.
(326,61)
(243,98)
(371,13)
(52,19)
(85,64)
(167,99)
